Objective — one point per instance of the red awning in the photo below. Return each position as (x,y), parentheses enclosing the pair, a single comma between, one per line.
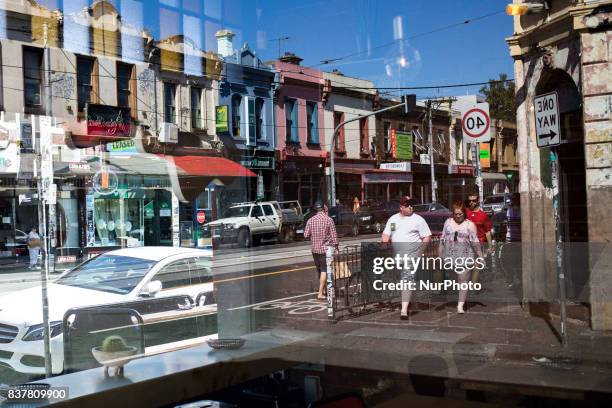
(203,166)
(189,175)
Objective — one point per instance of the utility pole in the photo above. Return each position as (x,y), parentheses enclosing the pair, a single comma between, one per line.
(478,172)
(432,166)
(279,40)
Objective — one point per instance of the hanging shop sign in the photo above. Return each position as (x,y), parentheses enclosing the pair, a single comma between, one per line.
(122,147)
(108,123)
(222,119)
(485,155)
(400,166)
(105,182)
(401,145)
(256,162)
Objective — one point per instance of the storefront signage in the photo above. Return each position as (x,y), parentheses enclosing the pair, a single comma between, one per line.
(176,237)
(79,167)
(463,169)
(26,142)
(122,147)
(222,119)
(485,155)
(256,162)
(401,166)
(402,145)
(108,121)
(372,178)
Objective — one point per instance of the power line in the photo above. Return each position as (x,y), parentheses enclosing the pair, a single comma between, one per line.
(464,22)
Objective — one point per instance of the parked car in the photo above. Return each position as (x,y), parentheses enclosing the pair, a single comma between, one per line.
(113,277)
(346,221)
(435,214)
(250,222)
(496,203)
(381,212)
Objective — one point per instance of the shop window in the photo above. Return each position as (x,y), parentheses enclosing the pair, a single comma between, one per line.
(386,136)
(291,121)
(363,136)
(259,119)
(32,77)
(169,102)
(196,108)
(87,79)
(340,142)
(174,275)
(312,123)
(236,109)
(126,87)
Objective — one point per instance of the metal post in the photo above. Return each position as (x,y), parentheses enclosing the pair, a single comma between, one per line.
(432,165)
(554,164)
(478,172)
(44,275)
(329,259)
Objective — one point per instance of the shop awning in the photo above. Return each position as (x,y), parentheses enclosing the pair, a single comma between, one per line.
(188,175)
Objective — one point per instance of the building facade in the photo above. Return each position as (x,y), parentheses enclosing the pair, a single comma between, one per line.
(301,133)
(565,49)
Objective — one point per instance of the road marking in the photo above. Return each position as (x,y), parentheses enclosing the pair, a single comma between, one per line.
(272,301)
(263,274)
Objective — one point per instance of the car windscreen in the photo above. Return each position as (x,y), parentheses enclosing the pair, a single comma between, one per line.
(237,212)
(108,273)
(494,200)
(421,208)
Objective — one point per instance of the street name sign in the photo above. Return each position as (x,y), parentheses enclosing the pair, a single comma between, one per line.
(547,119)
(476,123)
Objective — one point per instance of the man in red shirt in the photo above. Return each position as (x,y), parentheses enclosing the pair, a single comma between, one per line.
(321,231)
(483,226)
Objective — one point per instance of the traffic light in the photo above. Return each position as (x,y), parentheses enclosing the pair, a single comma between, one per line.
(409,102)
(526,8)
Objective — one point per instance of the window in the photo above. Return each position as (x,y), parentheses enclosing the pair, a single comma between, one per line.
(32,77)
(196,108)
(259,119)
(203,271)
(169,102)
(236,107)
(386,136)
(340,143)
(126,87)
(87,91)
(363,136)
(174,275)
(268,210)
(291,122)
(312,123)
(256,212)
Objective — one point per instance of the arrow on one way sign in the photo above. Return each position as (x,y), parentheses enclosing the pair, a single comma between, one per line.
(547,119)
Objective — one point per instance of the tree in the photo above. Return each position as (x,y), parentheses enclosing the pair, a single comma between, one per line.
(500,95)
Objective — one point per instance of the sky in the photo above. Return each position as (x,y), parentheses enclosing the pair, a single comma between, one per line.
(394,43)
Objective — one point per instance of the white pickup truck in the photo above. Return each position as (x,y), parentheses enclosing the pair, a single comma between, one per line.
(248,223)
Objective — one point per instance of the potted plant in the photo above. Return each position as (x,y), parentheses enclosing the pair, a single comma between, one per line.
(114,352)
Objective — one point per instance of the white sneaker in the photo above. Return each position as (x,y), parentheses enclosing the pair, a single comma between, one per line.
(460,309)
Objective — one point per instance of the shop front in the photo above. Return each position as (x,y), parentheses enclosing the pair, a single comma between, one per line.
(457,184)
(302,179)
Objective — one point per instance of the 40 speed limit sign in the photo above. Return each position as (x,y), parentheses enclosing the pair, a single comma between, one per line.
(476,123)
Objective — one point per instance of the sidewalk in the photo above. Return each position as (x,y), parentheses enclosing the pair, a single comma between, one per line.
(498,343)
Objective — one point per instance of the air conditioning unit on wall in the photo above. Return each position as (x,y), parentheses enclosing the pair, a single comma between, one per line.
(168,133)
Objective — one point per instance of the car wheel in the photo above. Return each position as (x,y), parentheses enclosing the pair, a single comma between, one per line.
(244,238)
(355,230)
(378,227)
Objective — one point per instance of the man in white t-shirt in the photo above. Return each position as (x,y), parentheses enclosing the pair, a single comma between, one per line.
(409,234)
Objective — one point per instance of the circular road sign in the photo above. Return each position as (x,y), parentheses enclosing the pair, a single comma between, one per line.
(201,217)
(476,123)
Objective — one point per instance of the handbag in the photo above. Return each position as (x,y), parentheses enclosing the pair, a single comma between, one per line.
(34,243)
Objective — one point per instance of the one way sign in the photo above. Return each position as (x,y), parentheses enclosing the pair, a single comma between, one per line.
(547,119)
